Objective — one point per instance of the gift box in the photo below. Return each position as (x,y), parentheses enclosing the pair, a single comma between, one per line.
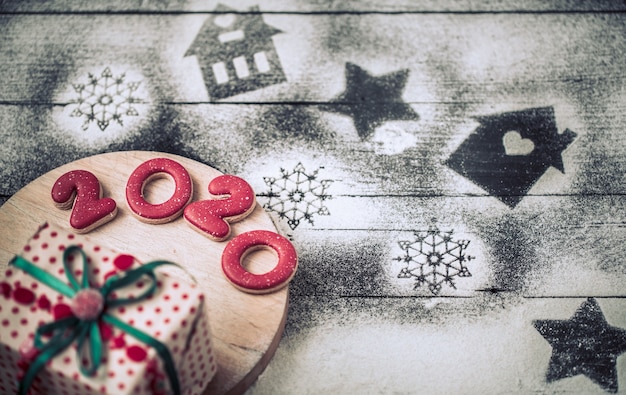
(79,318)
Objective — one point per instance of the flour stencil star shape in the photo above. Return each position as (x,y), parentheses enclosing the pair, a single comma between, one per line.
(585,344)
(372,100)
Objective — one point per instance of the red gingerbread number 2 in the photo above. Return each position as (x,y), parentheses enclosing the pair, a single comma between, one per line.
(212,217)
(82,189)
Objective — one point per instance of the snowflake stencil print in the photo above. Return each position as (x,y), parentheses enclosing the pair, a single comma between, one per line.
(297,195)
(105,98)
(434,258)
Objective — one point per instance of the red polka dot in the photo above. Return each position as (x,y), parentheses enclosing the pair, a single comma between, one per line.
(176,308)
(136,353)
(140,308)
(14,334)
(185,296)
(67,360)
(192,310)
(23,296)
(61,310)
(123,262)
(52,260)
(105,259)
(111,374)
(121,386)
(148,323)
(8,273)
(27,248)
(130,372)
(157,310)
(24,321)
(53,234)
(44,246)
(96,248)
(174,336)
(5,322)
(43,302)
(5,289)
(106,330)
(70,236)
(121,309)
(35,258)
(166,297)
(61,247)
(15,310)
(183,323)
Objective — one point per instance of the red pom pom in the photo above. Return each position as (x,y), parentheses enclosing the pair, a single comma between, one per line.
(87,304)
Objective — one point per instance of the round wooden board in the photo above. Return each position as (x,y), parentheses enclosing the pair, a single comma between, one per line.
(246,328)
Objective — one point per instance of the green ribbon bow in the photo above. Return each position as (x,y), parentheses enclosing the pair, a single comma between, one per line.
(87,332)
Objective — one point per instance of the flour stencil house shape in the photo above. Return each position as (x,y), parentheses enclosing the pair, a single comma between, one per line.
(236,52)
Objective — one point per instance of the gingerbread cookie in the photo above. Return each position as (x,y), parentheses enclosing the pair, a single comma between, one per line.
(81,191)
(245,243)
(212,217)
(168,210)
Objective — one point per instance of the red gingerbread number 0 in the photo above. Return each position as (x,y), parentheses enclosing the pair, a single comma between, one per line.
(168,210)
(275,279)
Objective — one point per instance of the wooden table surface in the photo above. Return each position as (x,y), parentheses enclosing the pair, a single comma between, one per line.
(452,173)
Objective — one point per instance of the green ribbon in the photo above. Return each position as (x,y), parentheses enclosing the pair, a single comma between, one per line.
(86,332)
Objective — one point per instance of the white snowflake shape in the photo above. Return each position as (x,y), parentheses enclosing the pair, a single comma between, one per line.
(297,195)
(104,99)
(434,258)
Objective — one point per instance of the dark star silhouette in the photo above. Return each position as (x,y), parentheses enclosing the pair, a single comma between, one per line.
(584,344)
(371,100)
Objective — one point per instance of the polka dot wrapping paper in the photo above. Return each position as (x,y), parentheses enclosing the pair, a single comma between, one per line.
(174,315)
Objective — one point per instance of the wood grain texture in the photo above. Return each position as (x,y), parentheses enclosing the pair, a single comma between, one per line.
(317,6)
(354,325)
(246,328)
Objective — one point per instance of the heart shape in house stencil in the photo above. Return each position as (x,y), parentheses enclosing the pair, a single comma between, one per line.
(515,145)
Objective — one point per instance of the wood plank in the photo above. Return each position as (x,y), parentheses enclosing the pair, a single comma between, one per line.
(415,166)
(435,346)
(299,6)
(461,60)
